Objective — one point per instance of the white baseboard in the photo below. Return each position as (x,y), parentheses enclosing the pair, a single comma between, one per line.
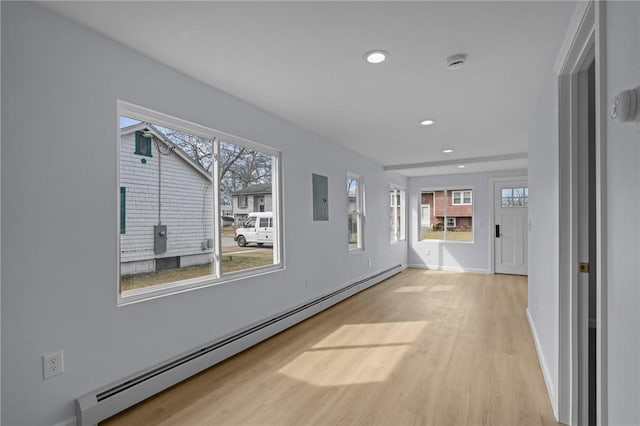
(71,421)
(543,365)
(450,268)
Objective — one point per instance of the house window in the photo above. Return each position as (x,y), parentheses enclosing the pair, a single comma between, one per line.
(243,201)
(143,144)
(397,216)
(123,210)
(446,214)
(355,213)
(169,206)
(515,197)
(461,198)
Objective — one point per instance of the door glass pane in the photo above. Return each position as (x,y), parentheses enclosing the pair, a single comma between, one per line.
(515,197)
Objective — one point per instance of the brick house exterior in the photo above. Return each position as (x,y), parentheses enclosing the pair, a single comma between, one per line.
(434,202)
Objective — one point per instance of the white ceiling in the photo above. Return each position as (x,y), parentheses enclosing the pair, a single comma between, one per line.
(304,61)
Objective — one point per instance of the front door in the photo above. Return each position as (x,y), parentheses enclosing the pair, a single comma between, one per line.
(511,199)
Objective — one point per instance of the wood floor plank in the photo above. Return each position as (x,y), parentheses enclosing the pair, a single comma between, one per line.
(422,348)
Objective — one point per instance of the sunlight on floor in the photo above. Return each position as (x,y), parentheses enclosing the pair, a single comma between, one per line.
(349,366)
(410,289)
(355,354)
(383,333)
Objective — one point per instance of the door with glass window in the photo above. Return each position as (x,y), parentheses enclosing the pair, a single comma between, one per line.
(511,227)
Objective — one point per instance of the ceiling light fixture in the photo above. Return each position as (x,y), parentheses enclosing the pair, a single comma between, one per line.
(447,151)
(376,56)
(461,166)
(427,122)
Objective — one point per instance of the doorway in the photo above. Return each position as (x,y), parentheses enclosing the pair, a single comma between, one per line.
(582,290)
(586,245)
(511,201)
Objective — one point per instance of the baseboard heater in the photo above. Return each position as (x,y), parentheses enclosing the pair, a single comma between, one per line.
(105,402)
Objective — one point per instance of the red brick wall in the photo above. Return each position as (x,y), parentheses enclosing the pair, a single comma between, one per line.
(437,206)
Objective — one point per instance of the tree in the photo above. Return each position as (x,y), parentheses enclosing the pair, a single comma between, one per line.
(240,167)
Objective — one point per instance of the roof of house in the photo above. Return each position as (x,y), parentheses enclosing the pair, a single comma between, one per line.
(175,148)
(262,188)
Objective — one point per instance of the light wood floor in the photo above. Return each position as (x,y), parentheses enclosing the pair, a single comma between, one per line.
(422,348)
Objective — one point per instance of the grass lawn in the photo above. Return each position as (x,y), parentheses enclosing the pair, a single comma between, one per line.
(252,258)
(428,234)
(238,259)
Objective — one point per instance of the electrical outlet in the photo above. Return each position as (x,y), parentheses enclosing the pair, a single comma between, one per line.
(369,261)
(52,364)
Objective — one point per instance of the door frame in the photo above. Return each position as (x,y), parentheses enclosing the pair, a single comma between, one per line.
(492,217)
(583,43)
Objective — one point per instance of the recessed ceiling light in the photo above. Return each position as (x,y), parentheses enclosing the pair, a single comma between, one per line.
(461,166)
(447,151)
(376,56)
(427,122)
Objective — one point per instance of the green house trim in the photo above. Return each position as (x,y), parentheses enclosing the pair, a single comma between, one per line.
(123,210)
(143,144)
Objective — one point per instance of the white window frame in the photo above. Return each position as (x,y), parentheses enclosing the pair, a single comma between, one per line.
(446,189)
(359,211)
(400,233)
(461,197)
(452,218)
(161,290)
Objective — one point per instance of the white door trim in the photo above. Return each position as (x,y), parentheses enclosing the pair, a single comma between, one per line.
(585,36)
(492,218)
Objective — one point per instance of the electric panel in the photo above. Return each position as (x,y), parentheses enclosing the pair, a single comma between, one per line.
(320,197)
(160,239)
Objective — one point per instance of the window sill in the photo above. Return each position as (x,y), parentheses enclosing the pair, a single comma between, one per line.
(447,241)
(399,242)
(144,294)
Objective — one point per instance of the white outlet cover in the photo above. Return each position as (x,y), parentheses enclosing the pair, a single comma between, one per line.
(52,364)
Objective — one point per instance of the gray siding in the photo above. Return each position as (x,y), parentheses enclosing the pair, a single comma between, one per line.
(186,204)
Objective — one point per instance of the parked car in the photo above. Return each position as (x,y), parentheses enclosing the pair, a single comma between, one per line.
(258,229)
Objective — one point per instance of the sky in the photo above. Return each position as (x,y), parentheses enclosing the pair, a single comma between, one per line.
(126,121)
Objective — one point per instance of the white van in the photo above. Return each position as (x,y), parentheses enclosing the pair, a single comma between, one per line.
(257,229)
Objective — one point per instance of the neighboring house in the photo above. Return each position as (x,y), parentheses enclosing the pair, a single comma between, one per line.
(158,190)
(255,198)
(459,209)
(226,210)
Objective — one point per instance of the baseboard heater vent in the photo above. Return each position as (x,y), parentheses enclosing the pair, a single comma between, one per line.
(103,403)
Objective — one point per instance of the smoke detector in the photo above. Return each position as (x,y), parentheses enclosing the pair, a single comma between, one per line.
(457,61)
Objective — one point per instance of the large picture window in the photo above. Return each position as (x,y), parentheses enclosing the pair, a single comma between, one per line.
(446,214)
(176,235)
(397,215)
(355,212)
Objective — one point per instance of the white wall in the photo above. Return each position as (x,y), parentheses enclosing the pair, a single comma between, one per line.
(59,161)
(543,296)
(455,256)
(622,47)
(623,230)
